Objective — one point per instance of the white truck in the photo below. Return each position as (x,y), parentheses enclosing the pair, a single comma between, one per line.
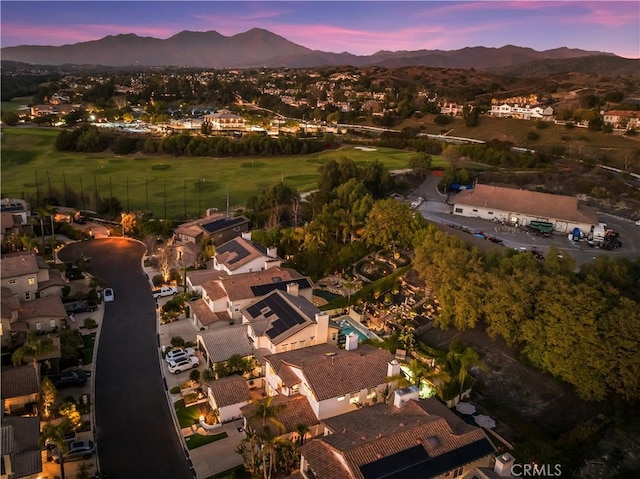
(164,291)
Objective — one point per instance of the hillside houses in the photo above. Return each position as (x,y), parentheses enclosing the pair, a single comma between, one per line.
(626,119)
(526,112)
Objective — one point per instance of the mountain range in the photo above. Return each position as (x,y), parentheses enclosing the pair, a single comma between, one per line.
(262,48)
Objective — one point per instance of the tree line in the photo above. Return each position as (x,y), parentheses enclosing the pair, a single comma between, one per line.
(91,139)
(579,326)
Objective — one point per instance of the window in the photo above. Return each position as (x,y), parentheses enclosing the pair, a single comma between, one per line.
(294,345)
(27,295)
(490,212)
(52,323)
(458,210)
(285,347)
(458,472)
(38,326)
(12,281)
(302,344)
(32,280)
(341,398)
(334,336)
(475,211)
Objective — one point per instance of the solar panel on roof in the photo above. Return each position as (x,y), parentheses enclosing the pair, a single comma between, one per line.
(412,463)
(287,316)
(222,223)
(234,247)
(262,289)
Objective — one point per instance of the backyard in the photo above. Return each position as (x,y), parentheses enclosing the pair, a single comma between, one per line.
(30,163)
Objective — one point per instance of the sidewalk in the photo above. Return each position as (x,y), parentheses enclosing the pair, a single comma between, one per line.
(71,469)
(214,457)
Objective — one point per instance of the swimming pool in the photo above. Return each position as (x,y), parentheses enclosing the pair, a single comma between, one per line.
(347,328)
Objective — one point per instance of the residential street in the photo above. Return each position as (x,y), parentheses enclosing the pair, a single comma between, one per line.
(135,431)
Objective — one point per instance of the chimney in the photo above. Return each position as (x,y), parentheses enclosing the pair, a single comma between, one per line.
(351,342)
(322,327)
(272,252)
(401,396)
(293,289)
(503,465)
(393,368)
(246,235)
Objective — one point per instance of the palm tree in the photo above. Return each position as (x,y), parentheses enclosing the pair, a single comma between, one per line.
(55,434)
(266,413)
(462,359)
(249,450)
(269,446)
(34,347)
(301,430)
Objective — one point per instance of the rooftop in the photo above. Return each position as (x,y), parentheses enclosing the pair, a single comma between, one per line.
(533,203)
(230,390)
(19,381)
(222,343)
(18,264)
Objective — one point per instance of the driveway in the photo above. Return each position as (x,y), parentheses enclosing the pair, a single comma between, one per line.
(135,431)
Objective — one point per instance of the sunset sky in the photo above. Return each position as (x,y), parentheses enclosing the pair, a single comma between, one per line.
(357,27)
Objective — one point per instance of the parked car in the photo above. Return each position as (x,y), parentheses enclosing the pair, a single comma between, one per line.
(69,437)
(70,378)
(79,307)
(77,450)
(107,294)
(183,364)
(179,353)
(164,291)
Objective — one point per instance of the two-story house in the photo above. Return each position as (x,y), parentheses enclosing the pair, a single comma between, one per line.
(232,294)
(241,255)
(29,276)
(334,381)
(224,120)
(20,389)
(283,321)
(421,438)
(217,228)
(14,218)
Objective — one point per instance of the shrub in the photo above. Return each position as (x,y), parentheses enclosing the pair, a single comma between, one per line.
(532,136)
(207,375)
(157,280)
(194,375)
(177,341)
(66,290)
(175,390)
(90,323)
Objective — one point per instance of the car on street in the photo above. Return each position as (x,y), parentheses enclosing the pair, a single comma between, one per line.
(69,378)
(179,353)
(184,364)
(108,296)
(76,450)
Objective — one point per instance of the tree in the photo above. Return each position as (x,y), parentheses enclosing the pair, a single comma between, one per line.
(391,224)
(460,359)
(34,347)
(55,434)
(48,394)
(301,430)
(265,416)
(421,165)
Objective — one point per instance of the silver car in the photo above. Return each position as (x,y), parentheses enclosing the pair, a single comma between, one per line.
(179,353)
(77,450)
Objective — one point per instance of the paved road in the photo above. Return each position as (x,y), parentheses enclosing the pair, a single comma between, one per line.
(134,429)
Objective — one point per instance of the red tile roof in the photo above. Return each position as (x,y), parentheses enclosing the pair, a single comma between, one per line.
(230,390)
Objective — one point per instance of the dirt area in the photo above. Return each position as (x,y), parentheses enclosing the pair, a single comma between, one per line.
(508,389)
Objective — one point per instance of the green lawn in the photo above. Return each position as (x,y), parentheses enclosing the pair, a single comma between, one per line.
(18,104)
(87,350)
(30,162)
(197,440)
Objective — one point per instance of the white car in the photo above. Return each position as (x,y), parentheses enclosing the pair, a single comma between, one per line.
(183,364)
(108,296)
(179,353)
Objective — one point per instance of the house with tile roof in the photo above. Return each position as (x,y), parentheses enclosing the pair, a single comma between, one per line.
(219,344)
(283,321)
(334,381)
(29,276)
(217,228)
(14,217)
(228,395)
(20,389)
(242,255)
(21,455)
(225,296)
(627,119)
(521,207)
(422,438)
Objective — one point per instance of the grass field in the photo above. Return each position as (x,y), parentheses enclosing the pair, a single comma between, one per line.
(30,162)
(17,104)
(615,147)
